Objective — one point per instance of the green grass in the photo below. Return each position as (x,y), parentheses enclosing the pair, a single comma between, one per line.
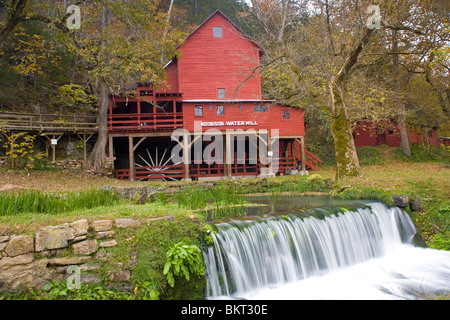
(383,176)
(200,197)
(39,202)
(420,153)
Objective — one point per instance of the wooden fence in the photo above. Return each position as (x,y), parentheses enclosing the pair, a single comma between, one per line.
(47,122)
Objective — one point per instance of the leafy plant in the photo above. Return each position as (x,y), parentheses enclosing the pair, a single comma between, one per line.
(145,291)
(59,291)
(183,259)
(20,145)
(317,183)
(440,241)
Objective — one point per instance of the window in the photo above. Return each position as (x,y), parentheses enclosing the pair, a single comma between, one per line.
(220,111)
(260,108)
(221,93)
(286,114)
(198,111)
(217,32)
(391,130)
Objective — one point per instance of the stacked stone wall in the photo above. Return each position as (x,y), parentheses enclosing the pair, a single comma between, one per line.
(34,260)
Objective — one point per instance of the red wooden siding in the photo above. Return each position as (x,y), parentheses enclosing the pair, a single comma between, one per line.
(230,62)
(272,119)
(367,133)
(172,78)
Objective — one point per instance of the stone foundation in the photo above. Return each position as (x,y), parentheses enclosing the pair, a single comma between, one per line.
(31,261)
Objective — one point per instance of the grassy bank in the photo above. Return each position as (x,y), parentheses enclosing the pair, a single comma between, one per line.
(427,180)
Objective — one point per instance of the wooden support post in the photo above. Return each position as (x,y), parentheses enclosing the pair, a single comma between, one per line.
(54,139)
(85,140)
(269,151)
(139,114)
(228,168)
(293,153)
(110,146)
(131,156)
(301,141)
(131,149)
(53,151)
(174,113)
(303,154)
(186,147)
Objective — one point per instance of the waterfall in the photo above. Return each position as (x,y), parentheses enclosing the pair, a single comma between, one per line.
(252,257)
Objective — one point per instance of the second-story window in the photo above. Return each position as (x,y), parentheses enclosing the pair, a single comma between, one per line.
(220,111)
(260,108)
(286,114)
(217,32)
(198,111)
(221,93)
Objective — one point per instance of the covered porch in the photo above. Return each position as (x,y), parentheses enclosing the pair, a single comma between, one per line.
(149,111)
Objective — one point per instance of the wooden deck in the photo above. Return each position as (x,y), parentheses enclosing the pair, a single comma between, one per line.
(42,123)
(144,122)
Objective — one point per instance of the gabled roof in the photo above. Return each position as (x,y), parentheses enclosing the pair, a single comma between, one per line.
(218,12)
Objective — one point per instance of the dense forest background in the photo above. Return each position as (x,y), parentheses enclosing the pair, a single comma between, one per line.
(323,56)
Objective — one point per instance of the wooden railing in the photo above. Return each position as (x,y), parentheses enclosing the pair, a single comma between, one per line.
(123,174)
(144,122)
(312,161)
(285,163)
(213,170)
(48,122)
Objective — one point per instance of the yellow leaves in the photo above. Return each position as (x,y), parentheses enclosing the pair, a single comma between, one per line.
(20,146)
(36,54)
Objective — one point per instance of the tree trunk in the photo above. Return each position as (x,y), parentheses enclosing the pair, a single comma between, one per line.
(169,14)
(347,163)
(98,153)
(401,117)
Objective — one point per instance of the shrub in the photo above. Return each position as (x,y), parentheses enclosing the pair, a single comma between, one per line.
(317,183)
(183,260)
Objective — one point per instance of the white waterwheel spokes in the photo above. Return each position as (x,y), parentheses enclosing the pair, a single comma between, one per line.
(155,159)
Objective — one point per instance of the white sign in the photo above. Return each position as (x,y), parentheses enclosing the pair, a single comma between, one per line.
(54,142)
(228,123)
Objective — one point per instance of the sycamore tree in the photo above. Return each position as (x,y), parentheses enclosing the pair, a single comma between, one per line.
(346,59)
(314,54)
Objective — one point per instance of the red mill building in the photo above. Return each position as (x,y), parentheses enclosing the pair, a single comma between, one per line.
(213,90)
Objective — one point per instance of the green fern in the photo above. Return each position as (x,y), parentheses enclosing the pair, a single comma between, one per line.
(183,259)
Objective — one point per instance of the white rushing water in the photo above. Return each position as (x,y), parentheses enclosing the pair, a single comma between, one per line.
(365,253)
